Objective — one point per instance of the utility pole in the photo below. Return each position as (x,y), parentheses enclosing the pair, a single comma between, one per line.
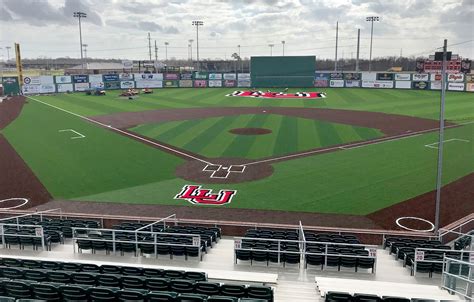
(271,49)
(441,135)
(358,49)
(149,46)
(337,33)
(197,23)
(283,47)
(166,50)
(80,15)
(156,52)
(371,19)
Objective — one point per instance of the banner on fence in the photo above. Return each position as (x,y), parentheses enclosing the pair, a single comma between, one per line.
(95,78)
(82,78)
(470,87)
(64,87)
(244,83)
(456,77)
(352,76)
(435,77)
(48,88)
(126,77)
(377,84)
(421,77)
(336,83)
(63,79)
(170,84)
(148,76)
(470,78)
(321,76)
(352,83)
(230,83)
(243,76)
(127,84)
(31,80)
(148,84)
(230,76)
(215,76)
(111,85)
(171,76)
(403,84)
(200,75)
(321,83)
(402,77)
(127,64)
(420,85)
(186,83)
(369,76)
(336,76)
(200,83)
(215,83)
(186,76)
(46,80)
(385,76)
(31,89)
(456,86)
(81,86)
(97,85)
(435,85)
(111,78)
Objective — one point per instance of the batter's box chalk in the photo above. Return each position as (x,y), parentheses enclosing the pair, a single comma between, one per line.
(237,168)
(220,174)
(211,168)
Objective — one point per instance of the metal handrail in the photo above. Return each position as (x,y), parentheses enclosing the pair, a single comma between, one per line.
(158,221)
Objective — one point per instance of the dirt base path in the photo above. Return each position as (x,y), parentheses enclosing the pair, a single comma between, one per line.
(16,178)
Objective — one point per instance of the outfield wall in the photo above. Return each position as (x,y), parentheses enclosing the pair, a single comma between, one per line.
(382,80)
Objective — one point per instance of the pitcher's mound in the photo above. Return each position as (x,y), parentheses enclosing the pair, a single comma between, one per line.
(250,131)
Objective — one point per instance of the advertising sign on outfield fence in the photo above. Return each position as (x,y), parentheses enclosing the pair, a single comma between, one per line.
(81,86)
(200,75)
(81,78)
(95,78)
(48,88)
(403,84)
(230,83)
(127,64)
(456,86)
(127,84)
(215,76)
(170,84)
(31,80)
(244,83)
(470,78)
(456,77)
(470,87)
(171,76)
(322,76)
(200,83)
(377,84)
(46,80)
(112,85)
(64,87)
(63,79)
(186,76)
(243,76)
(336,83)
(435,85)
(230,76)
(402,77)
(336,76)
(148,84)
(369,76)
(31,89)
(420,85)
(321,83)
(385,76)
(215,83)
(421,77)
(435,77)
(126,77)
(186,83)
(352,83)
(352,76)
(111,78)
(97,85)
(148,76)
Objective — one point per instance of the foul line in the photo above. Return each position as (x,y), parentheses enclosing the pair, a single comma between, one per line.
(357,145)
(445,141)
(123,132)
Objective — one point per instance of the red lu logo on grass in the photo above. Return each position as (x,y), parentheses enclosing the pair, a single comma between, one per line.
(195,195)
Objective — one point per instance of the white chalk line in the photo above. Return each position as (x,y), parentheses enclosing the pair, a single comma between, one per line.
(24,201)
(358,144)
(123,132)
(435,144)
(79,135)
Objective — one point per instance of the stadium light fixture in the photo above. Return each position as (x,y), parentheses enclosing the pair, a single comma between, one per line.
(80,15)
(371,19)
(283,47)
(197,23)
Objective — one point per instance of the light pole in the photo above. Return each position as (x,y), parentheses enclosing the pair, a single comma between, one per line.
(85,53)
(271,49)
(191,48)
(80,15)
(283,47)
(197,23)
(240,58)
(371,19)
(166,50)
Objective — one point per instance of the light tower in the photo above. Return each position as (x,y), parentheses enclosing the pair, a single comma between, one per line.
(197,23)
(80,15)
(371,19)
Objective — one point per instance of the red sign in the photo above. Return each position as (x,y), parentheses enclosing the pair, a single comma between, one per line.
(196,195)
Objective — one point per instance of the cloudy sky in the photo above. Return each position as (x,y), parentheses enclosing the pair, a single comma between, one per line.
(118,28)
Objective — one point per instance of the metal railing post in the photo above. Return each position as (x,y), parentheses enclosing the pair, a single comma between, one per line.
(326,255)
(113,242)
(414,263)
(279,256)
(154,244)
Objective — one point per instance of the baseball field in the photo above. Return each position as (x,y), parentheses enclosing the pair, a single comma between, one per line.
(355,152)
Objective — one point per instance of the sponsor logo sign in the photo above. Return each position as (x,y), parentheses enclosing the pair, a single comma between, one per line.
(81,86)
(456,86)
(321,76)
(170,84)
(200,75)
(402,77)
(200,83)
(186,83)
(215,83)
(31,89)
(112,85)
(111,78)
(186,76)
(230,83)
(352,76)
(466,65)
(230,76)
(321,83)
(31,80)
(420,85)
(48,88)
(126,77)
(377,84)
(148,84)
(148,76)
(63,79)
(65,87)
(336,83)
(95,78)
(127,84)
(215,76)
(470,78)
(385,76)
(336,76)
(403,84)
(47,80)
(197,195)
(369,76)
(435,77)
(470,87)
(81,78)
(99,85)
(421,77)
(456,77)
(352,83)
(127,64)
(243,76)
(171,76)
(435,85)
(244,83)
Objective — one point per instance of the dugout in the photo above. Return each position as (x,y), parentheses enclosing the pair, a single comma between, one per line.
(283,71)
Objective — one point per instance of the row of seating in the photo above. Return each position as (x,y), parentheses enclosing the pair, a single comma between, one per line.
(342,297)
(102,269)
(340,261)
(284,234)
(332,238)
(63,292)
(285,257)
(463,241)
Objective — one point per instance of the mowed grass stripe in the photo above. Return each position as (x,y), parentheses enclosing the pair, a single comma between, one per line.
(155,130)
(287,137)
(180,128)
(263,145)
(327,134)
(308,137)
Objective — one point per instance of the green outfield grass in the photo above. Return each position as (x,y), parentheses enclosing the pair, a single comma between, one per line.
(108,167)
(211,137)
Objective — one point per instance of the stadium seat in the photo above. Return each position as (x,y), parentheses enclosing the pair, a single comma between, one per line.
(174,274)
(222,299)
(191,298)
(233,290)
(394,299)
(131,295)
(182,286)
(83,278)
(35,275)
(102,294)
(366,298)
(107,280)
(162,296)
(45,292)
(132,282)
(338,297)
(207,288)
(260,292)
(59,276)
(157,284)
(17,289)
(110,269)
(7,299)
